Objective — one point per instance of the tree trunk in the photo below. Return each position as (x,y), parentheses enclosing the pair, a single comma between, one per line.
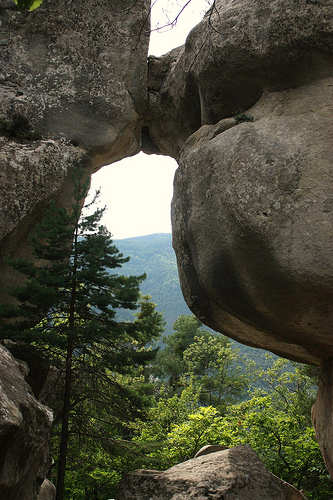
(64,426)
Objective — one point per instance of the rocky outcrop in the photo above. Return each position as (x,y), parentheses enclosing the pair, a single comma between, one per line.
(24,434)
(47,491)
(73,86)
(252,206)
(241,49)
(229,474)
(77,70)
(246,107)
(252,224)
(243,106)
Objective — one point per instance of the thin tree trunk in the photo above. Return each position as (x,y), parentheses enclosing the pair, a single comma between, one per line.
(68,382)
(64,426)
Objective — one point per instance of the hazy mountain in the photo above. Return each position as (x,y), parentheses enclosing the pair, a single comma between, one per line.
(154,255)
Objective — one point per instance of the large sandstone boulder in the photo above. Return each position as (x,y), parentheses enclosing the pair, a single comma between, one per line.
(241,49)
(77,70)
(231,474)
(73,90)
(252,224)
(24,434)
(252,207)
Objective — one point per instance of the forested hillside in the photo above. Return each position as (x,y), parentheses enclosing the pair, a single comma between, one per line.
(153,254)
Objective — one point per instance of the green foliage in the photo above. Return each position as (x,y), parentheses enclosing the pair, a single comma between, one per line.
(170,363)
(207,358)
(212,363)
(243,117)
(161,419)
(28,4)
(275,422)
(154,255)
(67,306)
(186,439)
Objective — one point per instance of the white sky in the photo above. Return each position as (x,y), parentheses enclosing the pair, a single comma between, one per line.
(138,190)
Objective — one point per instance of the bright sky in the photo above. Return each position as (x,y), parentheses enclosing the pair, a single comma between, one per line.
(138,190)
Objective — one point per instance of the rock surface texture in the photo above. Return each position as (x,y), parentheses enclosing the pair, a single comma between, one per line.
(232,474)
(252,207)
(73,90)
(24,433)
(322,414)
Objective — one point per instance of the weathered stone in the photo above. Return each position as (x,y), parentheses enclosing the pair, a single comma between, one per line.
(252,225)
(31,174)
(24,433)
(259,200)
(240,49)
(75,75)
(210,448)
(77,70)
(232,474)
(47,491)
(322,414)
(289,491)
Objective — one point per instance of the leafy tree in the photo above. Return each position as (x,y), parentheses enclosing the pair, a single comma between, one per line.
(213,364)
(170,363)
(73,298)
(160,420)
(205,357)
(275,422)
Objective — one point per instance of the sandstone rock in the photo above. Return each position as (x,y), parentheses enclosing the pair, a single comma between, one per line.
(232,474)
(31,174)
(47,491)
(252,224)
(240,49)
(77,70)
(322,415)
(210,448)
(24,433)
(75,75)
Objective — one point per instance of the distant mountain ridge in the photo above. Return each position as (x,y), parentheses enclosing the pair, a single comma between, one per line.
(153,254)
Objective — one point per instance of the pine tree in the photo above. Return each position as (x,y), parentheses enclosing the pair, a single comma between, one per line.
(69,300)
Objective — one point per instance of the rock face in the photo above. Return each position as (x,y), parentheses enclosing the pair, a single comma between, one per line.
(243,106)
(252,224)
(24,433)
(322,414)
(232,474)
(77,70)
(239,50)
(47,491)
(73,90)
(252,206)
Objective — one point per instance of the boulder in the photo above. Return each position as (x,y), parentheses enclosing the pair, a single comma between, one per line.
(24,434)
(73,90)
(77,70)
(241,49)
(252,224)
(47,491)
(31,174)
(236,473)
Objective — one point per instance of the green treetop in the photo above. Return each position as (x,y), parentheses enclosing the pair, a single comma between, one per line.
(69,300)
